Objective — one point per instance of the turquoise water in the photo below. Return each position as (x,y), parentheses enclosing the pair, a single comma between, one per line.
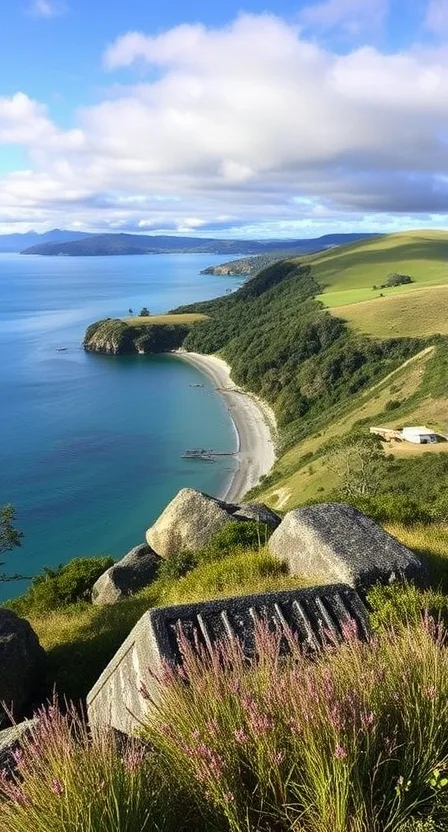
(90,444)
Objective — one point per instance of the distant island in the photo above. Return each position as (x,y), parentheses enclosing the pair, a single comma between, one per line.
(101,245)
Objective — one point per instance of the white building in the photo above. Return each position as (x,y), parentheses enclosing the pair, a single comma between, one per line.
(419,435)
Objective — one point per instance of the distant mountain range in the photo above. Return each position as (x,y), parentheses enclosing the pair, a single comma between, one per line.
(19,242)
(89,245)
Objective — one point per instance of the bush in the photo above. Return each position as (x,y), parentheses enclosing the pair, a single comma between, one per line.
(393,508)
(243,534)
(178,565)
(62,586)
(355,741)
(392,404)
(396,279)
(401,605)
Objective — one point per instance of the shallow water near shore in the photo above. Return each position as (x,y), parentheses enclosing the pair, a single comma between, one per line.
(91,445)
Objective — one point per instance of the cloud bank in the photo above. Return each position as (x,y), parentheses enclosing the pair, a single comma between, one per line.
(252,129)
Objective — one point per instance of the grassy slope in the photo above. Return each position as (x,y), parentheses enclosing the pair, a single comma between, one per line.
(348,274)
(174,320)
(418,312)
(302,473)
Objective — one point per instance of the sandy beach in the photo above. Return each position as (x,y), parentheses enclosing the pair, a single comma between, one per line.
(254,423)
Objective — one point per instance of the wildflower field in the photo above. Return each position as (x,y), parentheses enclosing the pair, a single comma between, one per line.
(354,740)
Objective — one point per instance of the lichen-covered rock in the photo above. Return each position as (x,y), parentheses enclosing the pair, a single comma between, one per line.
(133,572)
(335,542)
(21,664)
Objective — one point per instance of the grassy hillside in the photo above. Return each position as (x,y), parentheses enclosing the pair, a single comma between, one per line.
(419,312)
(358,267)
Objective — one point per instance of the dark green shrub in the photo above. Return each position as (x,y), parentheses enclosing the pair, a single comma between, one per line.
(401,605)
(235,536)
(62,586)
(392,404)
(178,565)
(393,508)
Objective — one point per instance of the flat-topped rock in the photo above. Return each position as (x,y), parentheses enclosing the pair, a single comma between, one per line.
(192,518)
(336,542)
(314,615)
(133,572)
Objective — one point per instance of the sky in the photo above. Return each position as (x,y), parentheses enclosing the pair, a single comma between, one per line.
(252,119)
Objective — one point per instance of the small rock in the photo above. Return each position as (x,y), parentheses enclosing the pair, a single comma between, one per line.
(11,740)
(336,542)
(21,664)
(133,572)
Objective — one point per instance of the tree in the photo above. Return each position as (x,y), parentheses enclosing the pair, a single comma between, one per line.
(144,313)
(359,464)
(131,311)
(10,537)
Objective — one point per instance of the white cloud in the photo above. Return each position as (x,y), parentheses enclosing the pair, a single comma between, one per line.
(47,8)
(240,127)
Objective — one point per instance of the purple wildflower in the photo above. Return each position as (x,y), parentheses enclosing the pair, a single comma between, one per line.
(340,753)
(57,787)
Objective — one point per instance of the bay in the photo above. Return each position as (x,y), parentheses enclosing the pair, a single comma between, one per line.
(90,445)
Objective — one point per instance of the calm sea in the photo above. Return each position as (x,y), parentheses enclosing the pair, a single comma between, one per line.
(90,445)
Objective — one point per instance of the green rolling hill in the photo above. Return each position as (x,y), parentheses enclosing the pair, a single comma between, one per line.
(333,357)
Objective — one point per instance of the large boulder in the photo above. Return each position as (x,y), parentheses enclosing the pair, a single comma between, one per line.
(336,542)
(21,664)
(192,518)
(133,572)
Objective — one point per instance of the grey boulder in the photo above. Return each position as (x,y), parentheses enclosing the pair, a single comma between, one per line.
(337,543)
(133,572)
(11,739)
(21,664)
(192,518)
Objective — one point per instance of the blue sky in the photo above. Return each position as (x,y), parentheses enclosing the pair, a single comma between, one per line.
(265,119)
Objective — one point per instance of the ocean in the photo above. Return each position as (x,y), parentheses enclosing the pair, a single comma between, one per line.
(90,445)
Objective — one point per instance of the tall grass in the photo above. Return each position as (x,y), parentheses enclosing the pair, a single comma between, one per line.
(65,781)
(355,741)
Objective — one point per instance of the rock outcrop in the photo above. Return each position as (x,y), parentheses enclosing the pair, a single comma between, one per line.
(192,518)
(115,337)
(133,572)
(336,542)
(21,664)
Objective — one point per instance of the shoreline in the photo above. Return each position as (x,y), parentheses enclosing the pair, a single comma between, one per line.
(253,420)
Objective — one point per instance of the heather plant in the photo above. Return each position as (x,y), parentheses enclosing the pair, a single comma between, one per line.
(354,741)
(64,780)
